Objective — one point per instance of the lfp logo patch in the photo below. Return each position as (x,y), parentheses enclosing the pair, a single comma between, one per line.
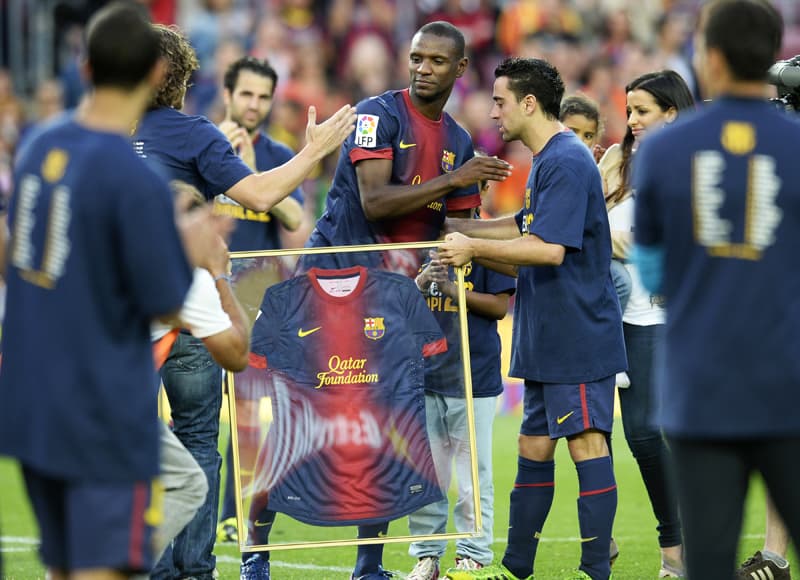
(448,160)
(367,130)
(374,328)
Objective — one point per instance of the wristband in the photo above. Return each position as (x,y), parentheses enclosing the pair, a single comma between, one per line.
(222,277)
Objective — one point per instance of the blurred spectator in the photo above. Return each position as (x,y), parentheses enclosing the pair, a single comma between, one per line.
(48,100)
(519,19)
(673,29)
(215,22)
(367,70)
(601,85)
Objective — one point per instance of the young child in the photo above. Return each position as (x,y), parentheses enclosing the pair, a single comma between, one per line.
(581,115)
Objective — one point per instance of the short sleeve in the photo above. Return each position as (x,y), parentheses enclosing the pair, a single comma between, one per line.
(497,283)
(376,129)
(216,161)
(422,322)
(647,226)
(202,311)
(561,200)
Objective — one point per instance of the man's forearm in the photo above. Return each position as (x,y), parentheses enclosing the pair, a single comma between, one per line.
(504,228)
(289,212)
(523,251)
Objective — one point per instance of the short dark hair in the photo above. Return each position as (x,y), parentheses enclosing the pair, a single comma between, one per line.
(580,104)
(442,28)
(749,34)
(534,76)
(121,45)
(254,65)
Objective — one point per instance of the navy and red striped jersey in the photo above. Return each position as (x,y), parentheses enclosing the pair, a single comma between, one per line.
(345,351)
(389,127)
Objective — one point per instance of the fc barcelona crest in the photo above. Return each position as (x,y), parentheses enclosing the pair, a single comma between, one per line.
(374,328)
(448,160)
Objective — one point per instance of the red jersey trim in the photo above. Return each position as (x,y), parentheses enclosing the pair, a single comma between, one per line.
(598,491)
(136,542)
(257,361)
(435,347)
(359,154)
(464,202)
(584,406)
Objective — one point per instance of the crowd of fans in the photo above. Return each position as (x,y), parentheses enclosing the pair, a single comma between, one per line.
(330,52)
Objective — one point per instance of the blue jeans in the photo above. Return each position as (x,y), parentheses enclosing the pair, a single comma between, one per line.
(622,283)
(193,382)
(447,430)
(646,442)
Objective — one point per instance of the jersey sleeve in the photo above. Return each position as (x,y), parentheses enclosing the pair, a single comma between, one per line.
(494,282)
(422,322)
(376,129)
(646,221)
(216,161)
(202,311)
(157,272)
(560,208)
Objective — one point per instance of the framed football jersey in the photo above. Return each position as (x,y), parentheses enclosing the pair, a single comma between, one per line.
(328,422)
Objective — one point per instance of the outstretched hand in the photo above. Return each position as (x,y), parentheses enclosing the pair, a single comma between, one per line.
(326,137)
(481,168)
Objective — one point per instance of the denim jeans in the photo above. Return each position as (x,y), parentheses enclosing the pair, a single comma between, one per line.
(646,442)
(447,430)
(622,283)
(185,488)
(193,382)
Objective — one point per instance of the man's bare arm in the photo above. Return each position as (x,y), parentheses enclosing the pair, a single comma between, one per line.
(382,200)
(230,348)
(289,212)
(503,228)
(529,250)
(262,191)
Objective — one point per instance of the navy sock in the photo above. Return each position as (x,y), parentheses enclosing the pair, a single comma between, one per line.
(369,557)
(261,521)
(531,499)
(597,506)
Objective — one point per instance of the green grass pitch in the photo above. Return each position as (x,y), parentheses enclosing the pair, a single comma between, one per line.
(634,528)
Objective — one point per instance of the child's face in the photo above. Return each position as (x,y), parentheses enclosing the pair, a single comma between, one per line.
(583,127)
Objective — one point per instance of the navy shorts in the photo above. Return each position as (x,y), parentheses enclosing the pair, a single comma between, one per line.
(86,525)
(560,410)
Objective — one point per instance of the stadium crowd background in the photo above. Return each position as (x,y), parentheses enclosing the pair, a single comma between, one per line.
(330,52)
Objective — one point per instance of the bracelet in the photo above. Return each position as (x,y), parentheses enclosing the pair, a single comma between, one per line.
(222,277)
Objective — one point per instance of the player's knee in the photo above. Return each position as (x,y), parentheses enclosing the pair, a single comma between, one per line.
(587,445)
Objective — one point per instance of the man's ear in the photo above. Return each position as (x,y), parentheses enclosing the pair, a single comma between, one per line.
(530,104)
(462,67)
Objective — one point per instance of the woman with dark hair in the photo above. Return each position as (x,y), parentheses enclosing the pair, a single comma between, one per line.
(653,100)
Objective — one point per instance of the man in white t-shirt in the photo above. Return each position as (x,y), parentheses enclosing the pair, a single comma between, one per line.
(211,313)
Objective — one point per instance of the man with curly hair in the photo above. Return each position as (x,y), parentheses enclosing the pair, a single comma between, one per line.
(194,150)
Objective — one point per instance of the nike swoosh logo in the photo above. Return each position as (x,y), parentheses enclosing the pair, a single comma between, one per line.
(404,145)
(261,524)
(301,333)
(588,539)
(560,420)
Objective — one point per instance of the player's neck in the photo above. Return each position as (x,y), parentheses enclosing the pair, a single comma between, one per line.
(539,134)
(743,89)
(430,109)
(111,110)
